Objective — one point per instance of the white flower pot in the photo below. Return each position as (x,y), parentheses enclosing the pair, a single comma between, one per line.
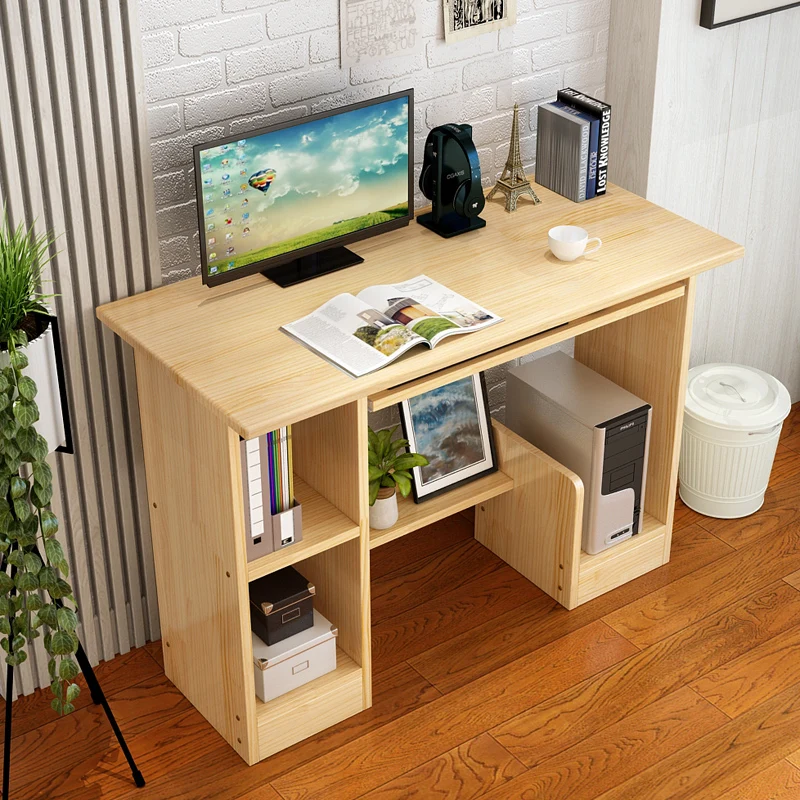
(42,369)
(384,513)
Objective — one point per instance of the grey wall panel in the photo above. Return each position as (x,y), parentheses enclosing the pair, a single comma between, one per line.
(75,159)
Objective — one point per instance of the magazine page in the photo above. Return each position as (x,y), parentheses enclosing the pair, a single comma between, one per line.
(427,308)
(350,334)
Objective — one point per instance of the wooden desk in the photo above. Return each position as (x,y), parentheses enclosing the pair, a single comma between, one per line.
(212,365)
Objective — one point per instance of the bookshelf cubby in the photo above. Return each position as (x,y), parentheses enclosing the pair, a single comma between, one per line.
(629,308)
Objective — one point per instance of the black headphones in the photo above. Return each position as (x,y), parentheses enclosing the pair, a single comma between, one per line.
(451,160)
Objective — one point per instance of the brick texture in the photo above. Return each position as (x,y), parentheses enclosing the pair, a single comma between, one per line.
(218,68)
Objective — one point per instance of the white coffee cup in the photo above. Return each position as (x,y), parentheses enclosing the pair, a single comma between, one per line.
(568,242)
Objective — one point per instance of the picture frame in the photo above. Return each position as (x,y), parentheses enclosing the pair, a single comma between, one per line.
(718,13)
(452,423)
(464,19)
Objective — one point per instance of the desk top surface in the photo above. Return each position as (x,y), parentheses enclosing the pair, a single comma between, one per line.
(224,345)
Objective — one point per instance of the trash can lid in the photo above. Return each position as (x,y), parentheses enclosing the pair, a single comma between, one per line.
(735,396)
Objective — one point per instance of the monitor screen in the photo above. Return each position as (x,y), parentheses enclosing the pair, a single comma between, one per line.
(304,185)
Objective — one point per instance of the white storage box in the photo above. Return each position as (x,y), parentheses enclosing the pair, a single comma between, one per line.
(301,658)
(731,426)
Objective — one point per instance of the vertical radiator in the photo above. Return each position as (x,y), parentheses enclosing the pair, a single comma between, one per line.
(74,159)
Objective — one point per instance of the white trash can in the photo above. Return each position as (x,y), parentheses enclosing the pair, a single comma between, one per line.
(731,425)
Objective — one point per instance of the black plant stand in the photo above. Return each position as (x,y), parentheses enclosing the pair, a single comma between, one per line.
(98,698)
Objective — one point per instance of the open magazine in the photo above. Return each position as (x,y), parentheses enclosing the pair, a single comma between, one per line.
(365,332)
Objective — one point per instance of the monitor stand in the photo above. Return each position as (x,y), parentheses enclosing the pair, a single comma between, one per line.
(308,267)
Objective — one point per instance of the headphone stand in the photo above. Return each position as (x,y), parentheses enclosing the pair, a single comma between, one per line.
(451,224)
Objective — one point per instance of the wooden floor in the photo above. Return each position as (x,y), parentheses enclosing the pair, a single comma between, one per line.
(682,684)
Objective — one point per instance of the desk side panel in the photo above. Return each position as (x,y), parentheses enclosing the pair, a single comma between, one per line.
(194,490)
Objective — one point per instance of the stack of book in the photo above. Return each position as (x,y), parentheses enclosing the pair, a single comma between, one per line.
(572,145)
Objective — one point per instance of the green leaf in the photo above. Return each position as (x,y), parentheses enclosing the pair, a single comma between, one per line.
(67,619)
(60,590)
(410,460)
(22,510)
(49,524)
(5,516)
(48,577)
(374,486)
(16,558)
(373,441)
(41,495)
(73,690)
(26,582)
(52,667)
(5,606)
(48,614)
(376,473)
(68,669)
(53,551)
(55,704)
(26,439)
(18,643)
(384,439)
(4,384)
(26,387)
(19,487)
(32,563)
(40,451)
(25,413)
(42,473)
(61,643)
(403,484)
(372,458)
(387,481)
(34,602)
(5,401)
(18,359)
(6,584)
(5,626)
(19,657)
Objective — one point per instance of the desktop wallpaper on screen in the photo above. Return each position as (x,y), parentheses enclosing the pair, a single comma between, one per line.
(274,193)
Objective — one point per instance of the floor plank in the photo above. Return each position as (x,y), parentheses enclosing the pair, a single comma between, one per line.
(622,750)
(395,692)
(723,758)
(404,744)
(790,433)
(781,781)
(794,579)
(419,545)
(608,697)
(755,676)
(452,613)
(423,580)
(33,710)
(465,658)
(794,758)
(466,772)
(689,599)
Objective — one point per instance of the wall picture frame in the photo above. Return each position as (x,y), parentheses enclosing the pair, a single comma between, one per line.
(452,427)
(718,13)
(464,19)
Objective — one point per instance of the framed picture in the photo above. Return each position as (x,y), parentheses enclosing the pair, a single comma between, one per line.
(716,13)
(466,18)
(451,426)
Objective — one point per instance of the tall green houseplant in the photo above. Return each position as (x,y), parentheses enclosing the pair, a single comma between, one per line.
(35,597)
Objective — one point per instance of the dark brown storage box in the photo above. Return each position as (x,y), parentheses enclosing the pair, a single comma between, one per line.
(281,605)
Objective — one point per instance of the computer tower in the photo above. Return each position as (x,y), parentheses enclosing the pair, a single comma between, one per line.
(593,427)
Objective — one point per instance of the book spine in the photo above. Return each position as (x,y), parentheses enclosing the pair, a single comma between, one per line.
(583,163)
(583,102)
(291,466)
(594,140)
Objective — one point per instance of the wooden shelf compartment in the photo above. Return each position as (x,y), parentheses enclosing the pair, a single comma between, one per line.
(340,577)
(307,710)
(417,515)
(602,572)
(324,526)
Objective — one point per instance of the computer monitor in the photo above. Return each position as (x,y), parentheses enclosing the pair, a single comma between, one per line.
(285,199)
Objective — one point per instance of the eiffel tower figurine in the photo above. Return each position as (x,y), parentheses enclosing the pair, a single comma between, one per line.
(513,183)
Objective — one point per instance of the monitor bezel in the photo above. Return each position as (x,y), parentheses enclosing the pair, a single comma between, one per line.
(347,238)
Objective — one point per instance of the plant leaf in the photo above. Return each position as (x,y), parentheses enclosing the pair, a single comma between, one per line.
(68,669)
(374,486)
(25,413)
(67,619)
(19,487)
(53,551)
(26,582)
(410,460)
(376,473)
(32,563)
(61,643)
(403,484)
(26,387)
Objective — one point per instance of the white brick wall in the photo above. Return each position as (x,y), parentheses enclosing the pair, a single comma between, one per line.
(224,67)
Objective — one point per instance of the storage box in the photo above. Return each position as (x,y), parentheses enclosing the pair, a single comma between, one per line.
(281,605)
(281,667)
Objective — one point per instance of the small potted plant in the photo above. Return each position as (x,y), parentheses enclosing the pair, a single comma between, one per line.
(389,470)
(35,597)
